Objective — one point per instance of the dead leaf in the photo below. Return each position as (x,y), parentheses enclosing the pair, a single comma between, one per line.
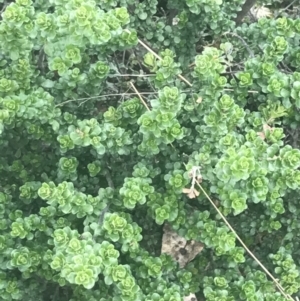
(191,192)
(178,247)
(261,12)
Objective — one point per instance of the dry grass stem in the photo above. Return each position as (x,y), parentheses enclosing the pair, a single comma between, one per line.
(140,96)
(280,288)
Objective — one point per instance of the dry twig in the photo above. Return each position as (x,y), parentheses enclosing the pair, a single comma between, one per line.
(139,95)
(158,57)
(278,285)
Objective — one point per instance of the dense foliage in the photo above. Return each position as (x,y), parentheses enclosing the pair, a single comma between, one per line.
(90,173)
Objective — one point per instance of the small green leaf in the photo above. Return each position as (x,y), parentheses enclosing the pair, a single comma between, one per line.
(143,15)
(48,83)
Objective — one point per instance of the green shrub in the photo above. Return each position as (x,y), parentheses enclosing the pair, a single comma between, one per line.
(91,169)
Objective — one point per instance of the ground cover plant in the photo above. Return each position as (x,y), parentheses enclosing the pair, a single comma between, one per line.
(119,118)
